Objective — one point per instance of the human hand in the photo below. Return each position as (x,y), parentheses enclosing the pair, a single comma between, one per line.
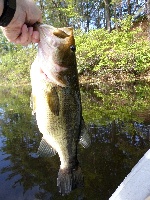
(20,30)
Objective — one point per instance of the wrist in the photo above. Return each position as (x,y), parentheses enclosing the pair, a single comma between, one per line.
(9,9)
(1,6)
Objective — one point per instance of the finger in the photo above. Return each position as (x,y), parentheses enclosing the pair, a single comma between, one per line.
(35,37)
(28,41)
(24,37)
(30,31)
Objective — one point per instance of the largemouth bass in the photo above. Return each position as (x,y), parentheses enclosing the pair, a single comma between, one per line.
(57,103)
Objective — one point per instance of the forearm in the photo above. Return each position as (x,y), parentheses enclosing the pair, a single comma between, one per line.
(1,6)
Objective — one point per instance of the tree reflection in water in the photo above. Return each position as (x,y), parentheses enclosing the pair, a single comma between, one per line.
(117,145)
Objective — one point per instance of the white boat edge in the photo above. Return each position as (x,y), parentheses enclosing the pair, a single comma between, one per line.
(136,186)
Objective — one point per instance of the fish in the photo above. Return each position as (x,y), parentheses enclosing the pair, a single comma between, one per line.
(56,102)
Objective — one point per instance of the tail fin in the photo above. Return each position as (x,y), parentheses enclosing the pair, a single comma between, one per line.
(69,180)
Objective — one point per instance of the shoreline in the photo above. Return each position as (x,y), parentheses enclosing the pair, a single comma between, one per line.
(91,79)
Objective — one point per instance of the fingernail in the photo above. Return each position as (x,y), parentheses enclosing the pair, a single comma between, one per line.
(25,27)
(36,36)
(31,31)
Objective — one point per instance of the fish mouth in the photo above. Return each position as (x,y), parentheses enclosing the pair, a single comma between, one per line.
(46,35)
(50,69)
(40,26)
(37,26)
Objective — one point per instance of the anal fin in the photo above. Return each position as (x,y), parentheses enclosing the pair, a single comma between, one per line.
(45,150)
(85,139)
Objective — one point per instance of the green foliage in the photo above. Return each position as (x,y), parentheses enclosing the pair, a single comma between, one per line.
(122,51)
(15,65)
(60,13)
(5,46)
(125,50)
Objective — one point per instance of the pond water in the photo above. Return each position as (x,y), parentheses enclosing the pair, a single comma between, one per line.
(118,121)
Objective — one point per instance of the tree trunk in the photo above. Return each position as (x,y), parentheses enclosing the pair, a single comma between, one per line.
(115,16)
(129,7)
(107,15)
(148,16)
(87,18)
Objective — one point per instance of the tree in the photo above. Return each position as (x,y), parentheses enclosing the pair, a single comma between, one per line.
(148,15)
(107,15)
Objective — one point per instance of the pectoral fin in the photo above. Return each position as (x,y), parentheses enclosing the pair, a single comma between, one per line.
(53,101)
(45,150)
(85,139)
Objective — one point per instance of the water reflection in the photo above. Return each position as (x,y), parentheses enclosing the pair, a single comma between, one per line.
(117,145)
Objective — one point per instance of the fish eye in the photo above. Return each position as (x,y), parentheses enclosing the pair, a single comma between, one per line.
(73,48)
